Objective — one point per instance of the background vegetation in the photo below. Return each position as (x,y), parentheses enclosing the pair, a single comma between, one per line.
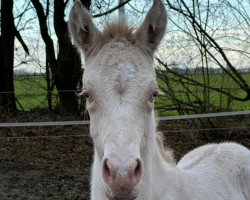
(31,93)
(202,64)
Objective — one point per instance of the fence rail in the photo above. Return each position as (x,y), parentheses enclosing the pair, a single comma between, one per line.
(206,115)
(166,118)
(87,135)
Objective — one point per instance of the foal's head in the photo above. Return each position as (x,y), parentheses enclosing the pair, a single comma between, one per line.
(119,85)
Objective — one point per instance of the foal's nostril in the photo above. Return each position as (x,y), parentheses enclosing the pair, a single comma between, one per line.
(105,170)
(138,169)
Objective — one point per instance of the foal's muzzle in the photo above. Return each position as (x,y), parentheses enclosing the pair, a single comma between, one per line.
(122,176)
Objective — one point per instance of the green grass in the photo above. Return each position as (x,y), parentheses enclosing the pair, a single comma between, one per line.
(30,92)
(216,100)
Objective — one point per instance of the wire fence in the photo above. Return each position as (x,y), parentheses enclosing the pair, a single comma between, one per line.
(167,118)
(32,92)
(225,86)
(207,129)
(37,99)
(86,135)
(43,137)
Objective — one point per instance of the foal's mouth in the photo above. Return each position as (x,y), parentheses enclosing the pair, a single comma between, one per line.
(122,195)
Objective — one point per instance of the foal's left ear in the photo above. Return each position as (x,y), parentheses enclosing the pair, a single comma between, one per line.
(82,29)
(153,27)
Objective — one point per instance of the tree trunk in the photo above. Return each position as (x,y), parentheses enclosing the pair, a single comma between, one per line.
(49,86)
(66,68)
(69,72)
(7,96)
(69,62)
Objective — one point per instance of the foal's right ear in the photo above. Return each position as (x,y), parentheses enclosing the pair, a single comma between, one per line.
(153,27)
(81,27)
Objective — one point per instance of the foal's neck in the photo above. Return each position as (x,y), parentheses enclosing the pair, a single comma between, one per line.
(164,179)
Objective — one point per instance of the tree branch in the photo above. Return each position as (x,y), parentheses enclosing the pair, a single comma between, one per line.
(111,10)
(190,17)
(19,37)
(50,51)
(196,83)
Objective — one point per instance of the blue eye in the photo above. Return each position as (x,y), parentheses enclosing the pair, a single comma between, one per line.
(87,97)
(153,96)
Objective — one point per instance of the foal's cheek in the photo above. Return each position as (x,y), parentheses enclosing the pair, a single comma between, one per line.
(91,107)
(93,130)
(97,142)
(150,106)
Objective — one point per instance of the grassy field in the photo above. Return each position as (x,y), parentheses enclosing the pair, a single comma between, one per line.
(31,92)
(176,91)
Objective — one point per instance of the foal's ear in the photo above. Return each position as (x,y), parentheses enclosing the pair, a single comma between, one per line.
(153,27)
(82,28)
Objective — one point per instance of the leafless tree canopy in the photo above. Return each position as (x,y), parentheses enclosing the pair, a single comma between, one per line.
(203,38)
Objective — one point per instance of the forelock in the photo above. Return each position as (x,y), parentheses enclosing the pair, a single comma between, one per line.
(118,30)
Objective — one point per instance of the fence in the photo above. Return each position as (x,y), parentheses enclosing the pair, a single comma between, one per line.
(65,123)
(32,92)
(38,98)
(166,118)
(57,165)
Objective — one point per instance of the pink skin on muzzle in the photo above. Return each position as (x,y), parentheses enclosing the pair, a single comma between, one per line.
(122,176)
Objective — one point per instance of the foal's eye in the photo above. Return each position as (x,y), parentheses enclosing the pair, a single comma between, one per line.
(153,96)
(87,97)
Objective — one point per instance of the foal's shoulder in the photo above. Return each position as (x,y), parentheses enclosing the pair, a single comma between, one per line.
(216,154)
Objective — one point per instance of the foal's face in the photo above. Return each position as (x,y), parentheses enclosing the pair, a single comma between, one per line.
(119,85)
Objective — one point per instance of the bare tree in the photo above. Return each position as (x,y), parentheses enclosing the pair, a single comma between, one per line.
(204,34)
(66,66)
(7,38)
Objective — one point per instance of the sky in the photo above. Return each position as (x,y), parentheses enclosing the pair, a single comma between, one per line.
(226,27)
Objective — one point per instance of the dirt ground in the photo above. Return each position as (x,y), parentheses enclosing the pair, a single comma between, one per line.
(55,162)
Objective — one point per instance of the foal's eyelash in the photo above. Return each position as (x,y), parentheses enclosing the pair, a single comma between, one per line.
(81,93)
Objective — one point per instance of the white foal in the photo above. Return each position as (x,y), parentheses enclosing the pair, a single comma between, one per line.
(119,84)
